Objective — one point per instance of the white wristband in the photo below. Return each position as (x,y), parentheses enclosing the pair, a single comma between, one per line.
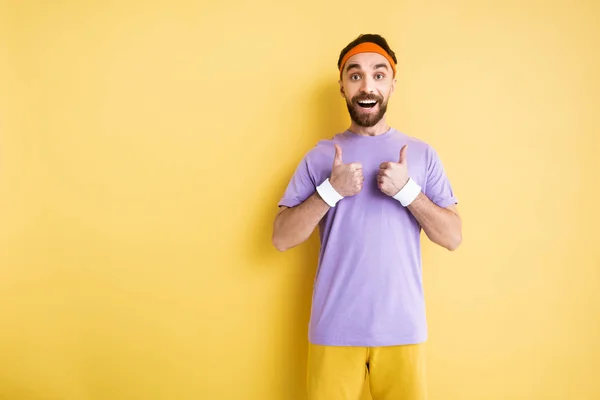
(328,193)
(408,193)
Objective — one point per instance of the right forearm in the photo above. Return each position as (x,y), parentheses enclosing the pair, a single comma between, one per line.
(294,225)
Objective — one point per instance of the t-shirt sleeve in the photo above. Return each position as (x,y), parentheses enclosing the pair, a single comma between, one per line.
(300,187)
(438,188)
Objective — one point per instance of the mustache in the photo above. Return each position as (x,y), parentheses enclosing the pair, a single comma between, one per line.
(367,97)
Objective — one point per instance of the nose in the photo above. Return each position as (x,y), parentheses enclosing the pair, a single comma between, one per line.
(367,85)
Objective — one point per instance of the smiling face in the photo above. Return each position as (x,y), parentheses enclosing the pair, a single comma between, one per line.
(367,83)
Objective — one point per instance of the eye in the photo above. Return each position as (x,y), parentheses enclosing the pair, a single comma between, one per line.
(354,77)
(379,76)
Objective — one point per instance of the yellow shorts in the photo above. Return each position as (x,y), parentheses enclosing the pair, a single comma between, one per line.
(393,373)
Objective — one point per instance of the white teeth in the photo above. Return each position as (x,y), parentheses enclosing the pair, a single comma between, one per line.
(368,101)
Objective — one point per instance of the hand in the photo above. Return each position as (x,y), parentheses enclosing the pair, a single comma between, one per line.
(393,176)
(346,179)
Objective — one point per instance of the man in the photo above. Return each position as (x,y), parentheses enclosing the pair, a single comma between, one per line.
(370,189)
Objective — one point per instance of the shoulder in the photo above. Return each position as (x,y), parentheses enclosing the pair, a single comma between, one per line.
(423,156)
(418,148)
(324,150)
(414,142)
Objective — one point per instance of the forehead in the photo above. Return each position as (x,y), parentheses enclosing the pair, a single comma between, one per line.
(368,60)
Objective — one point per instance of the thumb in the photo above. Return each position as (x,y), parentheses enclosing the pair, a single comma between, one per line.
(338,156)
(403,154)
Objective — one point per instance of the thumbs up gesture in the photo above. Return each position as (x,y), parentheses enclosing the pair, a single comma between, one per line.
(346,179)
(392,176)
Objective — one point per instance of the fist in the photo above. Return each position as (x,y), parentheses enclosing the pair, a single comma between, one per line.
(346,179)
(392,176)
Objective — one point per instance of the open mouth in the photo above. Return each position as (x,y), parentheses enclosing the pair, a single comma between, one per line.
(367,103)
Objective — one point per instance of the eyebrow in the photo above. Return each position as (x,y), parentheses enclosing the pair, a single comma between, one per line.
(357,66)
(351,66)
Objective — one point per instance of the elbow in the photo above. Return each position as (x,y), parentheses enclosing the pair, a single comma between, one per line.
(455,243)
(278,244)
(449,241)
(455,236)
(276,239)
(283,243)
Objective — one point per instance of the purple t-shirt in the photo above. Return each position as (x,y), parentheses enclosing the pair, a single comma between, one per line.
(368,287)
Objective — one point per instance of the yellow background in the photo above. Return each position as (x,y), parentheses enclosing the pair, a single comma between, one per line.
(144,147)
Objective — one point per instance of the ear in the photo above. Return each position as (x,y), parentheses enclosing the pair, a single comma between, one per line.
(393,87)
(342,88)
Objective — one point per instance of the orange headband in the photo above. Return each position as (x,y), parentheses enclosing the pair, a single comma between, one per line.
(367,47)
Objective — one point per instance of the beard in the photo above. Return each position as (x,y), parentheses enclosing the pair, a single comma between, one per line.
(360,115)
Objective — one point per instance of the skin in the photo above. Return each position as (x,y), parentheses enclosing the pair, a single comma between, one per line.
(367,75)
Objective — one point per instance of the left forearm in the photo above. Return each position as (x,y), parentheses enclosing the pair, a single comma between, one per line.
(442,226)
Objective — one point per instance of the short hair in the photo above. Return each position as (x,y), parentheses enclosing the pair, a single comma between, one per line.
(364,38)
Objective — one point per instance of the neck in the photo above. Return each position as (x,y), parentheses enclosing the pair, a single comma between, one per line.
(378,129)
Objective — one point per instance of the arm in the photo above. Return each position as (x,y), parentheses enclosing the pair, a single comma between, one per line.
(294,225)
(442,226)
